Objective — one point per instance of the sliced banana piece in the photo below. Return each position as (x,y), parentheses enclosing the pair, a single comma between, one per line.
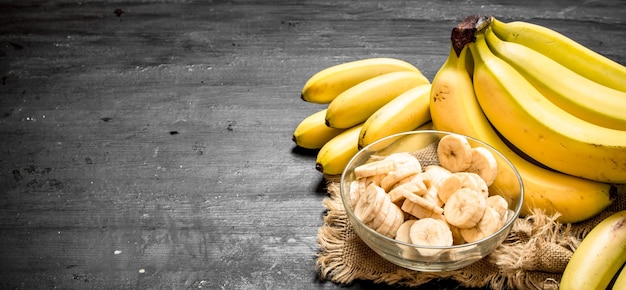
(423,202)
(355,192)
(375,179)
(500,205)
(432,173)
(400,192)
(484,164)
(403,235)
(444,187)
(369,202)
(402,157)
(402,171)
(377,167)
(380,213)
(454,152)
(394,218)
(488,224)
(464,208)
(457,238)
(430,232)
(473,181)
(420,211)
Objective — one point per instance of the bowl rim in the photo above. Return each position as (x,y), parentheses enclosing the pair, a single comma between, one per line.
(504,227)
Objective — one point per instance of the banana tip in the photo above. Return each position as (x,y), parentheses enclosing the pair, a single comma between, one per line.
(319,167)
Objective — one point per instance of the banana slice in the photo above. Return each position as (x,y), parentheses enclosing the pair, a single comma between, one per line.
(355,193)
(473,181)
(402,158)
(422,201)
(444,187)
(464,208)
(402,171)
(432,173)
(432,197)
(399,193)
(457,238)
(416,178)
(403,235)
(484,164)
(430,232)
(420,211)
(394,218)
(369,202)
(488,224)
(380,213)
(454,152)
(377,167)
(500,205)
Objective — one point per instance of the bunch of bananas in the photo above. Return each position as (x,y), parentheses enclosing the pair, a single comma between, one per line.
(367,100)
(554,108)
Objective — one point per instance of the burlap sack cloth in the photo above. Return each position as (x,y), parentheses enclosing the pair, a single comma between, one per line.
(533,256)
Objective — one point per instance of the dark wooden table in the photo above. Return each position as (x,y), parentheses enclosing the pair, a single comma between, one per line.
(147,144)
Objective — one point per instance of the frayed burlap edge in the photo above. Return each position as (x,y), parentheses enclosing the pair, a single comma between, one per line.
(533,256)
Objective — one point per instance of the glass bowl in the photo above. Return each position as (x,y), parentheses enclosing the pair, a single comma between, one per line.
(423,145)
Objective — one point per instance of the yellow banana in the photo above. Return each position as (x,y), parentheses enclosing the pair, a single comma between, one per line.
(454,108)
(599,256)
(327,84)
(359,102)
(620,281)
(564,50)
(541,129)
(312,132)
(409,142)
(404,113)
(336,153)
(580,96)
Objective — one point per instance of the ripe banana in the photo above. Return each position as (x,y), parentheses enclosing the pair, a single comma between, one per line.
(327,84)
(359,102)
(580,96)
(336,153)
(599,256)
(404,113)
(620,281)
(542,130)
(564,50)
(312,132)
(454,108)
(409,142)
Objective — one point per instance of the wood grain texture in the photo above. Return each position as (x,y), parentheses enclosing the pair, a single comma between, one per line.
(147,144)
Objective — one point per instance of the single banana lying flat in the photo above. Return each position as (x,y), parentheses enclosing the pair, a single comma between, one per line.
(336,153)
(404,113)
(312,132)
(599,256)
(620,281)
(358,103)
(327,84)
